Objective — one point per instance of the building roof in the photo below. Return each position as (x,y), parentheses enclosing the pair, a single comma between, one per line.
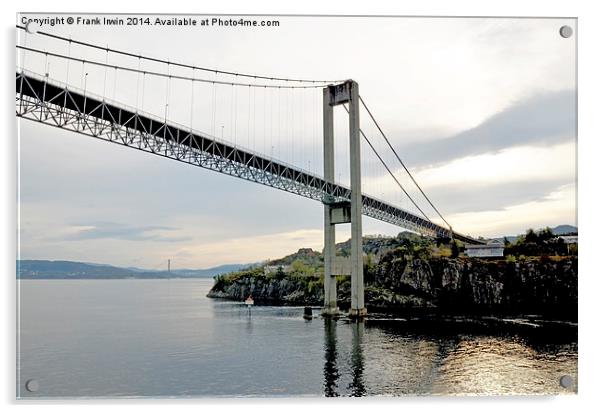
(489,246)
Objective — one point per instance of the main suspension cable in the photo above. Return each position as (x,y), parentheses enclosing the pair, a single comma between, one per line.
(389,170)
(401,162)
(130,69)
(188,66)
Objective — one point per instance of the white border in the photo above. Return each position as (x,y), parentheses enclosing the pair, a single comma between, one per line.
(590,116)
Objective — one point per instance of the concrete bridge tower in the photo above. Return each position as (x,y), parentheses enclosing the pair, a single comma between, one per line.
(343,212)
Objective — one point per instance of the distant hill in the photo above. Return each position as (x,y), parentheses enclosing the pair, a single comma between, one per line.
(564,229)
(558,230)
(209,272)
(47,270)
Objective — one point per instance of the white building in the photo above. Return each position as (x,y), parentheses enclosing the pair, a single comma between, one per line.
(569,239)
(493,248)
(273,269)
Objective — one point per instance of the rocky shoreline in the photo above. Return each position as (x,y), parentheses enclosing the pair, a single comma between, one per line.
(543,287)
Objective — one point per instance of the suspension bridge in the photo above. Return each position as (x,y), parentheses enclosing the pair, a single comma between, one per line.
(275,132)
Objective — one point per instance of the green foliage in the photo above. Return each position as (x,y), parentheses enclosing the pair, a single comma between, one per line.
(219,282)
(510,259)
(313,286)
(455,251)
(279,274)
(531,236)
(422,251)
(300,269)
(342,278)
(537,244)
(545,234)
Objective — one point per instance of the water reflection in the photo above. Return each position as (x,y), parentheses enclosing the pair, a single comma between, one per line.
(170,343)
(331,372)
(332,375)
(357,360)
(366,358)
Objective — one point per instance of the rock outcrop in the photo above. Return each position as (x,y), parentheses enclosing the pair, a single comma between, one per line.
(452,286)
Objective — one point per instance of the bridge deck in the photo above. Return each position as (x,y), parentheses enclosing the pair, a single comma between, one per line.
(42,100)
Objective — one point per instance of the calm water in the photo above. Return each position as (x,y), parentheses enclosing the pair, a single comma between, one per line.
(164,338)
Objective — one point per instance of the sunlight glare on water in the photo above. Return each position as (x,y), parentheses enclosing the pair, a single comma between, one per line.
(164,338)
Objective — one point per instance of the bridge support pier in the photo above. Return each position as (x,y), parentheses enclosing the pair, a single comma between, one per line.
(334,212)
(330,282)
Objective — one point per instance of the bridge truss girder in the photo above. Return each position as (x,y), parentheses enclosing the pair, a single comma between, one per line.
(42,100)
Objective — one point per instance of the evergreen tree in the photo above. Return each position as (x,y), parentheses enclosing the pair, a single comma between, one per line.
(455,251)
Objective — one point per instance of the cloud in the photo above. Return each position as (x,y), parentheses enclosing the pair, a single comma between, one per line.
(492,197)
(253,248)
(542,119)
(113,230)
(489,181)
(558,207)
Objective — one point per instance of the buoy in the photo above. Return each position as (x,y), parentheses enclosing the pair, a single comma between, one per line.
(249,301)
(307,313)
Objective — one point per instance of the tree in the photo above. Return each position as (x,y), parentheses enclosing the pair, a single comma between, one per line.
(455,251)
(280,273)
(300,268)
(531,236)
(545,234)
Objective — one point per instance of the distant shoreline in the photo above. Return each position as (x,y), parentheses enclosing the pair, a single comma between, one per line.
(208,278)
(111,278)
(73,270)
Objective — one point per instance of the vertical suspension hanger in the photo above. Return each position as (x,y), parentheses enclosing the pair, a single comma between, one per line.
(46,66)
(68,61)
(141,104)
(279,108)
(301,129)
(231,131)
(265,90)
(46,70)
(81,86)
(213,105)
(293,124)
(61,115)
(191,107)
(235,109)
(166,108)
(316,135)
(254,115)
(137,85)
(212,121)
(312,135)
(143,89)
(85,85)
(104,86)
(191,99)
(271,100)
(167,87)
(249,116)
(114,83)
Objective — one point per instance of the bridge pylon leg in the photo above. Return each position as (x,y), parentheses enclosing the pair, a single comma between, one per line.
(358,309)
(330,282)
(344,93)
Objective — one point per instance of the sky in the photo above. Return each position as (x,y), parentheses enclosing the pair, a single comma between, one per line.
(481,110)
